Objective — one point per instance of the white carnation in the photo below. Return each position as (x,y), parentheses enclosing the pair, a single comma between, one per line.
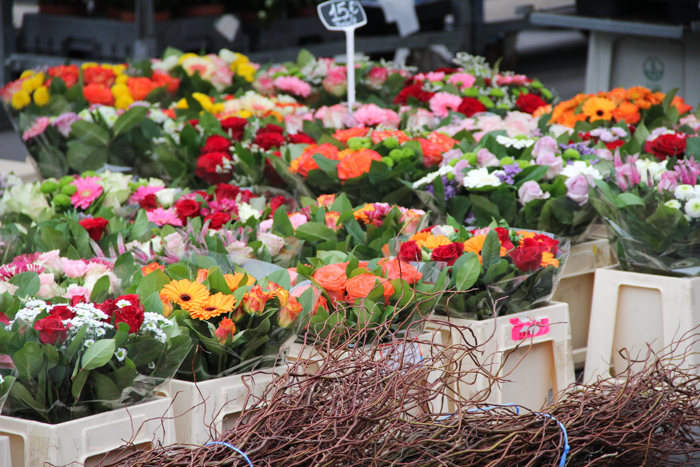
(479,178)
(692,208)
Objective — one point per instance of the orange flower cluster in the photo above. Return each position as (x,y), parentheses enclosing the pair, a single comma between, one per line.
(618,104)
(351,164)
(194,297)
(334,281)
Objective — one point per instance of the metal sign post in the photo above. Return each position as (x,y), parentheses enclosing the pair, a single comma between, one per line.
(345,15)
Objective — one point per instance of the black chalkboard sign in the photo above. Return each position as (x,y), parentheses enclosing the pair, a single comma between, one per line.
(338,15)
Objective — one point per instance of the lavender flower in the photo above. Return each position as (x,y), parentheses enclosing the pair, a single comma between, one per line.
(471,218)
(508,174)
(451,188)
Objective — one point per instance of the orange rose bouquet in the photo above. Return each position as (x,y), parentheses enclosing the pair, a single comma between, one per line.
(501,270)
(237,323)
(369,294)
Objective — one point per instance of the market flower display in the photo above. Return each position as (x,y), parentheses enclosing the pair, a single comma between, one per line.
(503,270)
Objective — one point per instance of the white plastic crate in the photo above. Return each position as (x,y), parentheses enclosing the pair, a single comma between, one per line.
(205,409)
(538,346)
(5,452)
(631,310)
(88,440)
(576,289)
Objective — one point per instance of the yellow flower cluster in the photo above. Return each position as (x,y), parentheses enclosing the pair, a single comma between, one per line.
(205,101)
(242,67)
(32,89)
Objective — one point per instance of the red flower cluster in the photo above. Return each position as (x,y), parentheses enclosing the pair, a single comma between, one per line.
(95,226)
(528,103)
(471,106)
(125,309)
(665,146)
(414,90)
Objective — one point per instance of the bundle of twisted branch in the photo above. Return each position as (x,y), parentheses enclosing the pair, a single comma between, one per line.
(381,403)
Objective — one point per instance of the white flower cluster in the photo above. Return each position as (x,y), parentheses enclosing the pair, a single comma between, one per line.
(153,322)
(691,195)
(514,142)
(31,310)
(473,64)
(428,179)
(86,314)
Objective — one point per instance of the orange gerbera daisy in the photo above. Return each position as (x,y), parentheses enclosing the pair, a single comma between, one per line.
(598,108)
(146,270)
(433,241)
(234,280)
(545,109)
(378,136)
(549,260)
(526,234)
(628,112)
(216,305)
(189,295)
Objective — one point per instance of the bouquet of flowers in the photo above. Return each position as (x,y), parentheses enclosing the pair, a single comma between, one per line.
(323,81)
(472,88)
(236,322)
(365,164)
(334,227)
(633,105)
(652,211)
(507,270)
(367,294)
(78,358)
(534,183)
(225,72)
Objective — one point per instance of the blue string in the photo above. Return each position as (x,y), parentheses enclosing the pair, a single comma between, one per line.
(234,448)
(567,448)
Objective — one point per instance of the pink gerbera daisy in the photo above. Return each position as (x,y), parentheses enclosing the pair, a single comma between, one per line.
(37,128)
(88,191)
(462,80)
(143,191)
(293,85)
(162,217)
(442,102)
(372,114)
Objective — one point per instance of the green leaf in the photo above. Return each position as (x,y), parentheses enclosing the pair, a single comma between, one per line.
(281,223)
(315,232)
(105,389)
(79,382)
(152,283)
(98,354)
(29,360)
(89,133)
(304,57)
(469,273)
(28,283)
(129,120)
(491,251)
(77,343)
(628,199)
(101,290)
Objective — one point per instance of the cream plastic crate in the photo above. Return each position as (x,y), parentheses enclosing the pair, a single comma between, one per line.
(5,453)
(205,409)
(538,346)
(576,289)
(632,309)
(87,440)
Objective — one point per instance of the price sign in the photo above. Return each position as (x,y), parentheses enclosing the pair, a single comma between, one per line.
(338,15)
(345,15)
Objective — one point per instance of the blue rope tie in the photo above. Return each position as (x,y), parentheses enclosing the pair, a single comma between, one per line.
(232,447)
(567,448)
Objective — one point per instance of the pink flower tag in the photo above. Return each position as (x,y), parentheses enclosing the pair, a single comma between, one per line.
(532,327)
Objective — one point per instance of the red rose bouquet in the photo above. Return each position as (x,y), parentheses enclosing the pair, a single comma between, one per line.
(76,358)
(501,270)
